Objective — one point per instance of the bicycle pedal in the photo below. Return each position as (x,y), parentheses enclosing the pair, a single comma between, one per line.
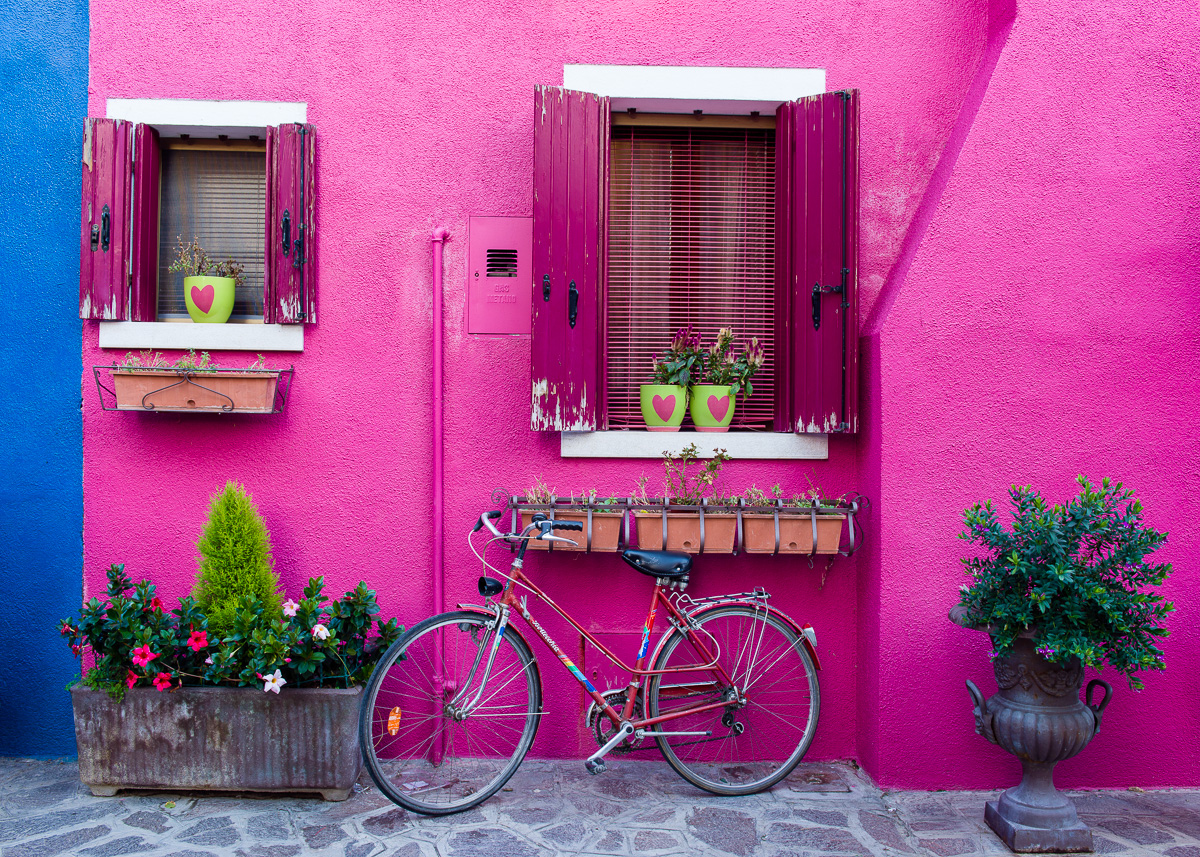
(596,767)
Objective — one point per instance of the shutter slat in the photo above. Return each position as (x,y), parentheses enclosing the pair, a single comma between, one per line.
(691,219)
(107,173)
(570,138)
(290,289)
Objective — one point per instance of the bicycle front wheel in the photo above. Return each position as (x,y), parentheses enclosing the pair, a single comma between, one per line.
(439,736)
(770,715)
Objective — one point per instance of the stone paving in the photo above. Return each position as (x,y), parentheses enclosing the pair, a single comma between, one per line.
(556,808)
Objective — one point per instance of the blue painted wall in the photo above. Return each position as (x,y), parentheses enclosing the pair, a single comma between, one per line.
(43,99)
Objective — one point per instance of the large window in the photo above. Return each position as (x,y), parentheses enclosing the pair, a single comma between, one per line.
(640,229)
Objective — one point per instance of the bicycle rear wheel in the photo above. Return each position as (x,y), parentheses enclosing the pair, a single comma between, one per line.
(441,744)
(771,716)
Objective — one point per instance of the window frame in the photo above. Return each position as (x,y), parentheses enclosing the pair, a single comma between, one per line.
(200,119)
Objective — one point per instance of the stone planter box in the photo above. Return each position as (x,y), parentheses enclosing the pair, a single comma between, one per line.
(219,739)
(683,531)
(606,531)
(170,390)
(795,533)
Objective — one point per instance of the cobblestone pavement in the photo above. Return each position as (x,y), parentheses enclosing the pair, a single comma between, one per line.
(637,808)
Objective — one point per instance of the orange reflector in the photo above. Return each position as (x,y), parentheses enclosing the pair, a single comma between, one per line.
(394,721)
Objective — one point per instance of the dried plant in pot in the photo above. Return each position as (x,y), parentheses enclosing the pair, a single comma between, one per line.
(805,524)
(209,286)
(145,381)
(600,518)
(1064,587)
(690,482)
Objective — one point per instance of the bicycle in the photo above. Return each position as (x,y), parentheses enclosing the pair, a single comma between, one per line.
(731,698)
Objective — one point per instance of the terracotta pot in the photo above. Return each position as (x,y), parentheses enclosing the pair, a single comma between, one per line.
(683,531)
(188,391)
(795,533)
(606,531)
(1037,716)
(209,299)
(663,406)
(711,407)
(219,739)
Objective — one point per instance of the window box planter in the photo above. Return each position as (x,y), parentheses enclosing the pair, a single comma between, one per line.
(219,739)
(796,529)
(248,391)
(688,531)
(605,530)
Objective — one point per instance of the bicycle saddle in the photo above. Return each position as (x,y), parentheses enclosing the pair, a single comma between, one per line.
(668,564)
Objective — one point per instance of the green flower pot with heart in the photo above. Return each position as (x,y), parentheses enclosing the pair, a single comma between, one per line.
(663,406)
(712,407)
(209,299)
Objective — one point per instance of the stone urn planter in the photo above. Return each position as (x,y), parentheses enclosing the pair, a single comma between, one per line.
(219,739)
(1037,716)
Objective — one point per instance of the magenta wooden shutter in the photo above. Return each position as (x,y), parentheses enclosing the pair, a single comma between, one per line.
(104,244)
(570,166)
(147,171)
(817,262)
(289,283)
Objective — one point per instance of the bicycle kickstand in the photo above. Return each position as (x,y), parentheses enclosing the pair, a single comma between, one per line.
(595,762)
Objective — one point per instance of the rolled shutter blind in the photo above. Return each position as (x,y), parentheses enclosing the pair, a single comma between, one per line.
(216,197)
(691,241)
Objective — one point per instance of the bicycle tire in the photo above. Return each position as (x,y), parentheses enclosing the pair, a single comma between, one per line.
(769,663)
(417,751)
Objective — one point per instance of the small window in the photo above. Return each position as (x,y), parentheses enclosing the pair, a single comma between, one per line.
(213,192)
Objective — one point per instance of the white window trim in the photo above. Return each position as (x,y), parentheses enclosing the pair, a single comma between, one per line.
(206,119)
(684,89)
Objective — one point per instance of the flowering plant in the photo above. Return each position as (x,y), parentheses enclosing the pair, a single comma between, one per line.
(1076,574)
(721,366)
(313,643)
(683,363)
(192,260)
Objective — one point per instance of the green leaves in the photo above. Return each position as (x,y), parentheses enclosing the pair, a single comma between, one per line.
(1077,573)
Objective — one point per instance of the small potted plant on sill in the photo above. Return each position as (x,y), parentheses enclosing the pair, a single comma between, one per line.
(209,287)
(145,381)
(1067,586)
(695,527)
(601,522)
(724,376)
(664,402)
(171,702)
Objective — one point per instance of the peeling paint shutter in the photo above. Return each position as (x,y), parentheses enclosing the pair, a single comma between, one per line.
(289,284)
(817,262)
(570,165)
(104,244)
(147,172)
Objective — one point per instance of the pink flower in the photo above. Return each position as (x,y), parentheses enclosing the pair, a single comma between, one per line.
(162,681)
(76,649)
(156,603)
(320,632)
(198,640)
(289,608)
(131,678)
(208,661)
(143,656)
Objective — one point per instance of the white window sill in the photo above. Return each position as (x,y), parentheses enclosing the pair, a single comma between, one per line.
(165,335)
(651,444)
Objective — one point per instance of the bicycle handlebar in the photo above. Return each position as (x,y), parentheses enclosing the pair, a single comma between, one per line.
(540,522)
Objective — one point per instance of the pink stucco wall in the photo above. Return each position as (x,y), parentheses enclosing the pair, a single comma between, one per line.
(1025,262)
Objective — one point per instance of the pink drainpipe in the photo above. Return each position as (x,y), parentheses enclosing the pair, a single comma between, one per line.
(438,240)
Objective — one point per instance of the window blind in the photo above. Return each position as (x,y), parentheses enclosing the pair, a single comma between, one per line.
(691,241)
(218,198)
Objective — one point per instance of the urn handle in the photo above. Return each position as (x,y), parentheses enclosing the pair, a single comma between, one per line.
(1098,710)
(983,717)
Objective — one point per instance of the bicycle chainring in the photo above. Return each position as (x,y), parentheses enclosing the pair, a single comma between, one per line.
(602,728)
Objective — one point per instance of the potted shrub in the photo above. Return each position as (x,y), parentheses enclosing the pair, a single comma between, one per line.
(664,402)
(209,287)
(145,381)
(1066,586)
(695,523)
(171,702)
(724,376)
(601,520)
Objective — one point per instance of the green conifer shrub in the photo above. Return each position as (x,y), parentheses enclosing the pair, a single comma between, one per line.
(235,560)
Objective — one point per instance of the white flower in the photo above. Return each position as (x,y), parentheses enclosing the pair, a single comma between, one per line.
(320,632)
(289,608)
(272,683)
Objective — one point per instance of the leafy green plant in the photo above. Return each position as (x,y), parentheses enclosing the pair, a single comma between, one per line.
(135,642)
(756,496)
(192,260)
(1076,574)
(721,366)
(683,362)
(687,486)
(235,560)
